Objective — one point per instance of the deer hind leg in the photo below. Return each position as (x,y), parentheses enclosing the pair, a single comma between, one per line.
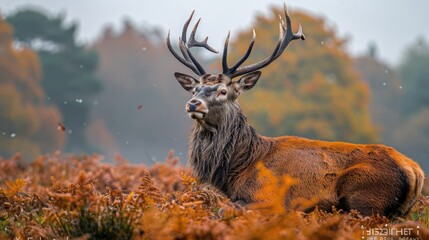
(416,178)
(372,192)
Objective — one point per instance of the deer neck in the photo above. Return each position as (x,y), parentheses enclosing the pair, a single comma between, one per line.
(222,148)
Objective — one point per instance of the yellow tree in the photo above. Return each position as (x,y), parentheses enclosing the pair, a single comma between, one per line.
(311,90)
(27,123)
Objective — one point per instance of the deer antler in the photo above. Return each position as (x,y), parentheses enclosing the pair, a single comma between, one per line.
(285,37)
(188,59)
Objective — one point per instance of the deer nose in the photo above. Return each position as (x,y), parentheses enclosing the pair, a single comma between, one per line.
(193,104)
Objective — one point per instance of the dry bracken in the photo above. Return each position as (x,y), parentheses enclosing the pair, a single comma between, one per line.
(81,197)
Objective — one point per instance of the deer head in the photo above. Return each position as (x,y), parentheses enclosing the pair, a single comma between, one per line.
(216,94)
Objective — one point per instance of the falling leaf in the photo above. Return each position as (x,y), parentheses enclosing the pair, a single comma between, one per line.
(139,106)
(61,127)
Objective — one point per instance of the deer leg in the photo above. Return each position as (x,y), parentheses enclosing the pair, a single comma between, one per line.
(361,188)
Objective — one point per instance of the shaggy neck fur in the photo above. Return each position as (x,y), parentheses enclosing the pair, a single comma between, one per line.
(222,148)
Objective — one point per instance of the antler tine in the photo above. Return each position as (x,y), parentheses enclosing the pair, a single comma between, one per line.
(182,47)
(299,34)
(253,67)
(285,37)
(226,69)
(225,54)
(196,63)
(246,55)
(182,60)
(185,26)
(192,42)
(288,35)
(188,59)
(281,28)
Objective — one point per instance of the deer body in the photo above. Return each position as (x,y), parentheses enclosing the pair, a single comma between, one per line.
(224,149)
(369,178)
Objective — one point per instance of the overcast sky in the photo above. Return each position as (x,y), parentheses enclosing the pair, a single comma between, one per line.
(391,24)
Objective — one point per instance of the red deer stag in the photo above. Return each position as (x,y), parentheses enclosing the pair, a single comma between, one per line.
(224,149)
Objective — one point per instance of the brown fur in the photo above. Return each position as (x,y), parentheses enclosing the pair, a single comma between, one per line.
(373,179)
(224,148)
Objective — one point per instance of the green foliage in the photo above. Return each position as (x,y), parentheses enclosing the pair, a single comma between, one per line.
(42,28)
(105,223)
(420,213)
(414,74)
(69,78)
(311,90)
(27,123)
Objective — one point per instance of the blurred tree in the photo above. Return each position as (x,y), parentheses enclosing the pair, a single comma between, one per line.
(68,69)
(149,120)
(372,50)
(311,90)
(27,123)
(399,102)
(412,136)
(386,92)
(414,73)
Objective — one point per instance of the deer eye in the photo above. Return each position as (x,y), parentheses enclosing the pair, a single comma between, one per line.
(223,92)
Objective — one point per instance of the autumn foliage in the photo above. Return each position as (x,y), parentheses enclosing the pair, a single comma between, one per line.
(311,90)
(59,196)
(26,119)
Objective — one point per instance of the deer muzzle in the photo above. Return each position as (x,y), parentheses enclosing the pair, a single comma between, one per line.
(196,108)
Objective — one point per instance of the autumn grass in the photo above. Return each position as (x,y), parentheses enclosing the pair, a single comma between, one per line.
(58,196)
(420,211)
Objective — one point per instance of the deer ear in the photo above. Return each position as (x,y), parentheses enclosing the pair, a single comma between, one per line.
(187,82)
(248,81)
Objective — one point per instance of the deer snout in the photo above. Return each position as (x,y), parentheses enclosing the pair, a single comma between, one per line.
(193,105)
(196,108)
